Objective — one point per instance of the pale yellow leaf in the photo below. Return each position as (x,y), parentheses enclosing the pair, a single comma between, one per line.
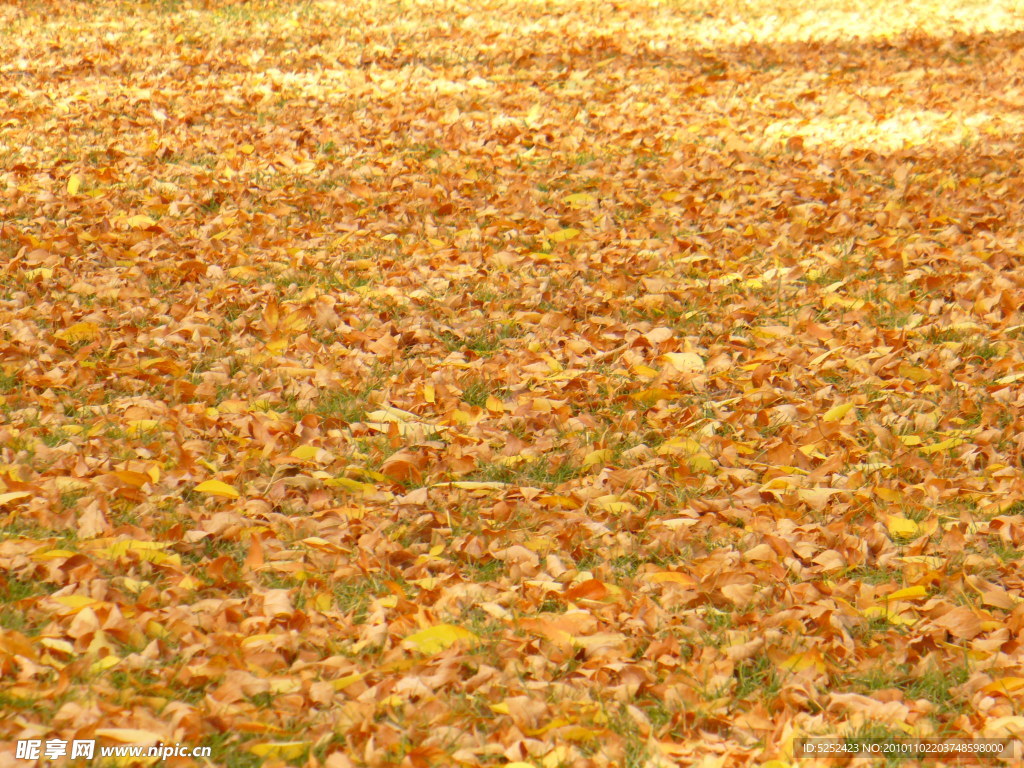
(304,452)
(473,485)
(85,331)
(684,362)
(908,593)
(902,527)
(599,457)
(217,488)
(282,750)
(945,445)
(578,200)
(140,222)
(437,638)
(563,234)
(836,413)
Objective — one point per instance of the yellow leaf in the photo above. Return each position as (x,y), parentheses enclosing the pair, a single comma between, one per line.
(44,272)
(613,504)
(77,602)
(54,554)
(305,452)
(134,585)
(645,370)
(472,485)
(887,494)
(887,612)
(283,750)
(501,708)
(140,222)
(85,331)
(350,485)
(436,639)
(652,395)
(344,682)
(74,183)
(671,196)
(188,582)
(138,426)
(247,149)
(577,733)
(578,200)
(7,498)
(1010,378)
(835,414)
(908,593)
(902,527)
(684,362)
(601,457)
(563,234)
(558,502)
(428,393)
(107,662)
(217,488)
(701,462)
(55,644)
(799,662)
(494,405)
(945,445)
(914,373)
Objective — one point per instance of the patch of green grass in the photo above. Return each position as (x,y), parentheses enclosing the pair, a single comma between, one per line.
(342,404)
(9,383)
(634,746)
(625,567)
(226,749)
(718,620)
(873,575)
(485,571)
(757,675)
(543,472)
(13,590)
(984,350)
(9,702)
(936,686)
(944,335)
(889,317)
(354,596)
(483,341)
